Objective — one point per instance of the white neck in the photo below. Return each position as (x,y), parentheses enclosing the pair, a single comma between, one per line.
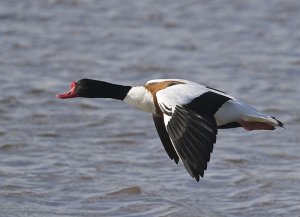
(140,98)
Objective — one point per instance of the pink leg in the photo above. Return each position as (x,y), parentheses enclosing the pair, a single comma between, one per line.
(255,125)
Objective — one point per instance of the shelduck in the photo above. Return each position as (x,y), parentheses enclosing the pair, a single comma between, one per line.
(187,115)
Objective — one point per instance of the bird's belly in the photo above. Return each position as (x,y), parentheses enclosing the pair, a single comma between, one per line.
(230,112)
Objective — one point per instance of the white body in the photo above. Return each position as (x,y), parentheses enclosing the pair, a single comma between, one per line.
(181,94)
(140,98)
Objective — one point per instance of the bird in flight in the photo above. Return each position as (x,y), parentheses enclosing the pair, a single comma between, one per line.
(187,115)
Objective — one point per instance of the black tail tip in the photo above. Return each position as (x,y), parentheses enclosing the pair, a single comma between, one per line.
(279,122)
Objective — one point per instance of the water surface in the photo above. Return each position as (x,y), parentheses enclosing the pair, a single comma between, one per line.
(91,157)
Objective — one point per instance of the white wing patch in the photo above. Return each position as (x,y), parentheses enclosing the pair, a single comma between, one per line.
(167,118)
(180,94)
(162,80)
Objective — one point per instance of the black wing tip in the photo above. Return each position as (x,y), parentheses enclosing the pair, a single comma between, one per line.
(197,176)
(176,160)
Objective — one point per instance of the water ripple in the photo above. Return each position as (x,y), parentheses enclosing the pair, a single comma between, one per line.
(92,157)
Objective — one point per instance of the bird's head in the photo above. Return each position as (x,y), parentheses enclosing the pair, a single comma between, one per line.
(89,88)
(82,88)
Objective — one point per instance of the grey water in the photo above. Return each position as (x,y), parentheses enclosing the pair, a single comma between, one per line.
(94,157)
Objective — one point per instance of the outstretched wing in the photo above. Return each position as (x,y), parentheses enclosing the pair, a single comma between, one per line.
(192,136)
(190,123)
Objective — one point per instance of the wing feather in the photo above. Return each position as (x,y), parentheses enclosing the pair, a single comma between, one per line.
(193,137)
(164,137)
(190,123)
